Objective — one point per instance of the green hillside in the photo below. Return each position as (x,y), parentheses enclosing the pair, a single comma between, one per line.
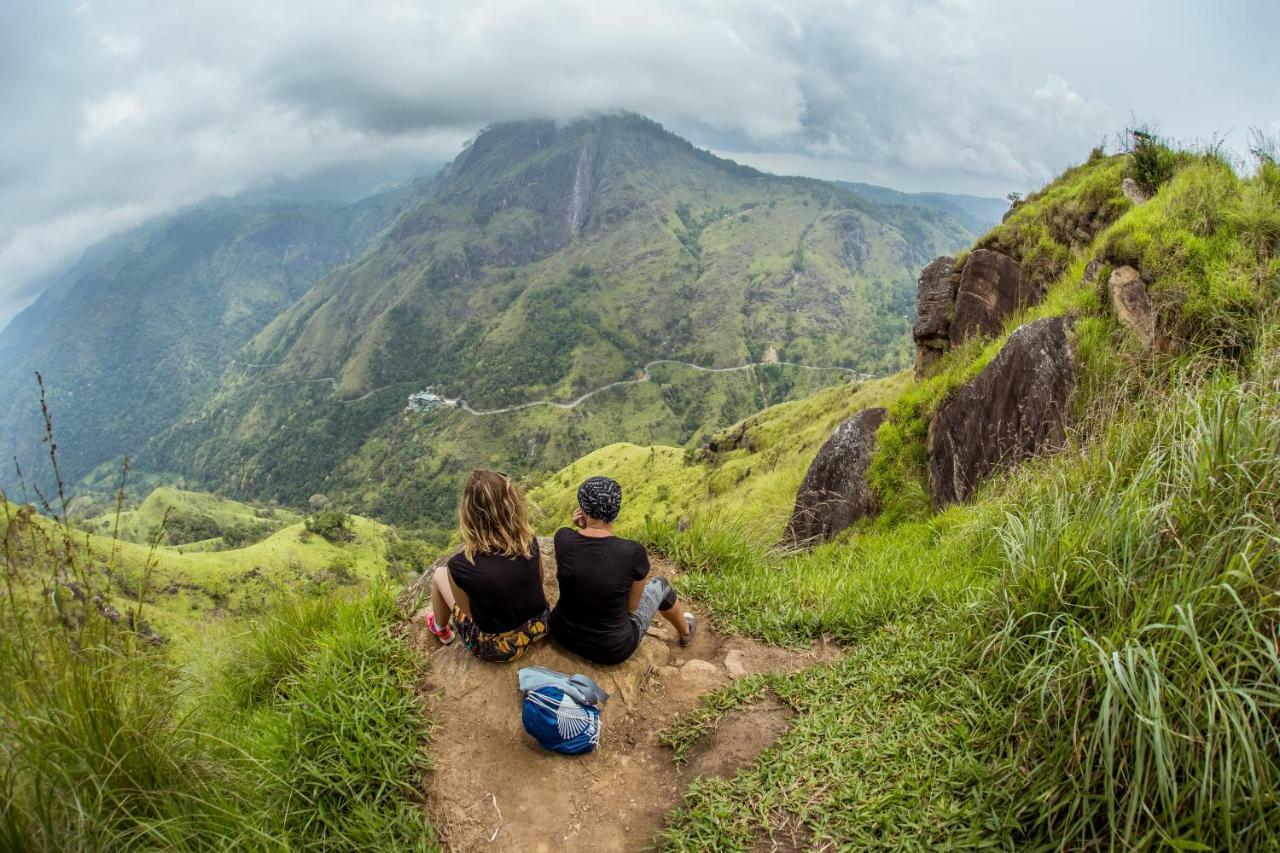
(551,261)
(141,329)
(1083,655)
(190,590)
(186,517)
(249,699)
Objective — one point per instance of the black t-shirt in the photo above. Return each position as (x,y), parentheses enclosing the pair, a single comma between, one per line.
(505,592)
(595,576)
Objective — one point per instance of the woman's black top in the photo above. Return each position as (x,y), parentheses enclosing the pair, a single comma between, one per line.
(505,592)
(595,576)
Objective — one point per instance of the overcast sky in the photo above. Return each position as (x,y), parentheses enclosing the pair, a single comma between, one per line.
(114,112)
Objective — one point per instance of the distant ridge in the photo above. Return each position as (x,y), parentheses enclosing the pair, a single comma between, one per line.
(977,213)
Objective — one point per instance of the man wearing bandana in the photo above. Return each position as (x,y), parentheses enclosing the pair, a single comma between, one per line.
(606,599)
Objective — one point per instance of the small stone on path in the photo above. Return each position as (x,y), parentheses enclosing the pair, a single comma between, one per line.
(735,664)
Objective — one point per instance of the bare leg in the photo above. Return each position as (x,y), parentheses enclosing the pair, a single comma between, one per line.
(441,596)
(676,617)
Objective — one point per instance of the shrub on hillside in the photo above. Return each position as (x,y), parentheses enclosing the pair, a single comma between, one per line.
(240,535)
(185,528)
(1152,162)
(406,556)
(332,524)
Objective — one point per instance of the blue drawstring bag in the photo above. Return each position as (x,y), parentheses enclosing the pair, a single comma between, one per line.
(559,722)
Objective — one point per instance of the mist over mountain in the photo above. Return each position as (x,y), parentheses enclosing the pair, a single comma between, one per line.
(975,212)
(142,326)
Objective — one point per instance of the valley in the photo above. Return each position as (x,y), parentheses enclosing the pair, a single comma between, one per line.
(535,275)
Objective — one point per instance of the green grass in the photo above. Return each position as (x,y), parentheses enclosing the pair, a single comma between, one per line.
(843,590)
(193,594)
(313,737)
(1114,681)
(1084,655)
(754,483)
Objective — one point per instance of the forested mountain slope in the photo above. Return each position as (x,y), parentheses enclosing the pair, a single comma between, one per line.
(142,327)
(552,260)
(977,213)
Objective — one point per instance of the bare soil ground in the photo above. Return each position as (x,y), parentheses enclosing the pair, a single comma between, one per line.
(493,788)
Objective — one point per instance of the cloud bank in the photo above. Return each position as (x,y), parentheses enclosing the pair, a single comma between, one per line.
(119,111)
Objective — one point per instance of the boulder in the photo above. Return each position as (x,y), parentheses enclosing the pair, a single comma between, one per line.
(1018,406)
(1133,192)
(991,288)
(834,493)
(935,298)
(1132,305)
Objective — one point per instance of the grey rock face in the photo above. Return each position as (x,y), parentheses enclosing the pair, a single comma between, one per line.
(991,288)
(834,493)
(935,298)
(854,247)
(1132,305)
(1018,406)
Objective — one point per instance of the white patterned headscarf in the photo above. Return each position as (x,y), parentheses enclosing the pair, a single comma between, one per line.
(601,498)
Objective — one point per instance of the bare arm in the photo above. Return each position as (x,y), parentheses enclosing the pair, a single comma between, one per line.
(633,597)
(460,598)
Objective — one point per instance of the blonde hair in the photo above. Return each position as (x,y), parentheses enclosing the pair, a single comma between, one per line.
(492,517)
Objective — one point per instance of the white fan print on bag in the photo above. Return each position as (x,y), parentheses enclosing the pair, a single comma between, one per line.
(572,719)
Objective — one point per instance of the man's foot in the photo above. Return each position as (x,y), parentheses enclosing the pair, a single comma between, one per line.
(686,639)
(445,635)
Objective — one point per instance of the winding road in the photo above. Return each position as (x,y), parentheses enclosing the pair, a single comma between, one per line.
(646,376)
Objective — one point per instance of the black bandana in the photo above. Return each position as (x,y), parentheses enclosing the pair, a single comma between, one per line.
(600,497)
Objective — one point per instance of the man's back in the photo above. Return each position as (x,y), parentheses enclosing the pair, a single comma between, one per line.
(595,574)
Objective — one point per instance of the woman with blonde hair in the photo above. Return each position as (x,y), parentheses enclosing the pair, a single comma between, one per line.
(491,590)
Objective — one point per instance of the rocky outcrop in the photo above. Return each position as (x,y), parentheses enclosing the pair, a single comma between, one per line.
(935,298)
(991,288)
(834,493)
(1018,406)
(1132,305)
(954,303)
(735,438)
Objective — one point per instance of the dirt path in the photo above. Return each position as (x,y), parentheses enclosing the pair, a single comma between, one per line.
(493,788)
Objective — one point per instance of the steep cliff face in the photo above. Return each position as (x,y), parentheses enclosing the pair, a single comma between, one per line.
(992,286)
(935,303)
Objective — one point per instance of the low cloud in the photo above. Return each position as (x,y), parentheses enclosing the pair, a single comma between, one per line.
(118,112)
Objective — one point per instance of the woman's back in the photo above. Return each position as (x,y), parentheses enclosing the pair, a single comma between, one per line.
(504,592)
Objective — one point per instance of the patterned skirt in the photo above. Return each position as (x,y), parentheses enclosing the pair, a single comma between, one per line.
(499,648)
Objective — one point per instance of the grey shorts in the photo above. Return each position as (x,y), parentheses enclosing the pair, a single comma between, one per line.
(658,595)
